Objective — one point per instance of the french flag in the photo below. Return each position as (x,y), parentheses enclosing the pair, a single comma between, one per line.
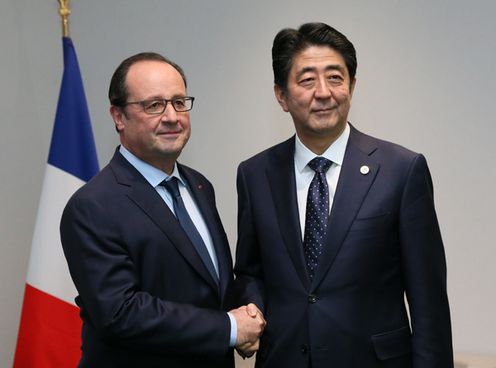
(50,327)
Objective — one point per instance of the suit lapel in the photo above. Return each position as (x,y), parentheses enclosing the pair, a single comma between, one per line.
(147,198)
(353,185)
(283,187)
(210,215)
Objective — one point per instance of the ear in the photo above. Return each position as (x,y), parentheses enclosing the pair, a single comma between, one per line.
(118,116)
(281,97)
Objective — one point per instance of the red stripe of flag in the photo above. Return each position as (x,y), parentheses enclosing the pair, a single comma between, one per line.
(49,333)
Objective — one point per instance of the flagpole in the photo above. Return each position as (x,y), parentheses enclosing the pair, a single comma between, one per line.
(64,12)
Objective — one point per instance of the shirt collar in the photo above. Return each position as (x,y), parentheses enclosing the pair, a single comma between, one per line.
(152,175)
(335,152)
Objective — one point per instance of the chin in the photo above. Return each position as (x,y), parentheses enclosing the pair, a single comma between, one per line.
(326,126)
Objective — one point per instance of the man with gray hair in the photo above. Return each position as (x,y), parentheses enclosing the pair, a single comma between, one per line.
(144,241)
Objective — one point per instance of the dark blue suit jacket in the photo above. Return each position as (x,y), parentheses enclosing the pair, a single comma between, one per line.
(146,298)
(383,242)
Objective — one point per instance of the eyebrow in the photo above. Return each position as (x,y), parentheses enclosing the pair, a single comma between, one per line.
(310,69)
(159,97)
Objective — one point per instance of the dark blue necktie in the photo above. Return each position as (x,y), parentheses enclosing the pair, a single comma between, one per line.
(188,225)
(317,214)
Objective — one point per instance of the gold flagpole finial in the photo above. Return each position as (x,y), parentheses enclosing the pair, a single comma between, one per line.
(64,12)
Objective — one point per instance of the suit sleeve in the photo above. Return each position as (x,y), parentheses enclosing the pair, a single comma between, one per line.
(112,301)
(424,269)
(248,269)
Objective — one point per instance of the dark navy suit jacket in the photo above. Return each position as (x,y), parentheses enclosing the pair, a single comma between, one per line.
(146,298)
(383,242)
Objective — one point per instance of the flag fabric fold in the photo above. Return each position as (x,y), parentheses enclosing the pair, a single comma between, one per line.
(50,327)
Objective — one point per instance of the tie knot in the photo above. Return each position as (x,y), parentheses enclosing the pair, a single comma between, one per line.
(171,186)
(320,164)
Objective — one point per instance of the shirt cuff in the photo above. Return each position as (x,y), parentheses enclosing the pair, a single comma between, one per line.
(234,330)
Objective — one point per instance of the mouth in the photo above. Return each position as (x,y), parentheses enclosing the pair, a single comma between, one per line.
(170,133)
(324,109)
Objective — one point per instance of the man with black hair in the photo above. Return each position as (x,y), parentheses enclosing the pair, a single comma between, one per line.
(335,227)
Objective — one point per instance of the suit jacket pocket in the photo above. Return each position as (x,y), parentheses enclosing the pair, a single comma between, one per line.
(371,223)
(392,344)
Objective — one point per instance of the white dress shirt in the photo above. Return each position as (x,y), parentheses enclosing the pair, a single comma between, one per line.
(304,174)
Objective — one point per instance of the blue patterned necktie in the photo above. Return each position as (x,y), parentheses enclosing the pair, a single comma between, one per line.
(188,225)
(317,214)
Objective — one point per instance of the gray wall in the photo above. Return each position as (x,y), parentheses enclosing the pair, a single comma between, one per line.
(425,80)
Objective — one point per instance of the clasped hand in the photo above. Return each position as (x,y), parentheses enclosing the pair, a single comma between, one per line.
(251,325)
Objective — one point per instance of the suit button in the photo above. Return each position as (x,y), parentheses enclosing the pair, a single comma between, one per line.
(312,298)
(304,348)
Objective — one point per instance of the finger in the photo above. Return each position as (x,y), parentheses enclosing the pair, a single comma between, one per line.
(248,349)
(263,320)
(252,345)
(252,310)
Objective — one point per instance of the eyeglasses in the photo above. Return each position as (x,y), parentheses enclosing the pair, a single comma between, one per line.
(158,106)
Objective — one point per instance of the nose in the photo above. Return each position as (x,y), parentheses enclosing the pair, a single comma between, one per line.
(322,90)
(169,114)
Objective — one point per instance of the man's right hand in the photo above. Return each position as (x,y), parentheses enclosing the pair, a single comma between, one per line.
(251,324)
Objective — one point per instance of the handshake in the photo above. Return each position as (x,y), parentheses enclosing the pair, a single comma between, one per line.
(251,324)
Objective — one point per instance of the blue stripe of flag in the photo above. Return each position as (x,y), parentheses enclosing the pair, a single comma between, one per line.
(72,148)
